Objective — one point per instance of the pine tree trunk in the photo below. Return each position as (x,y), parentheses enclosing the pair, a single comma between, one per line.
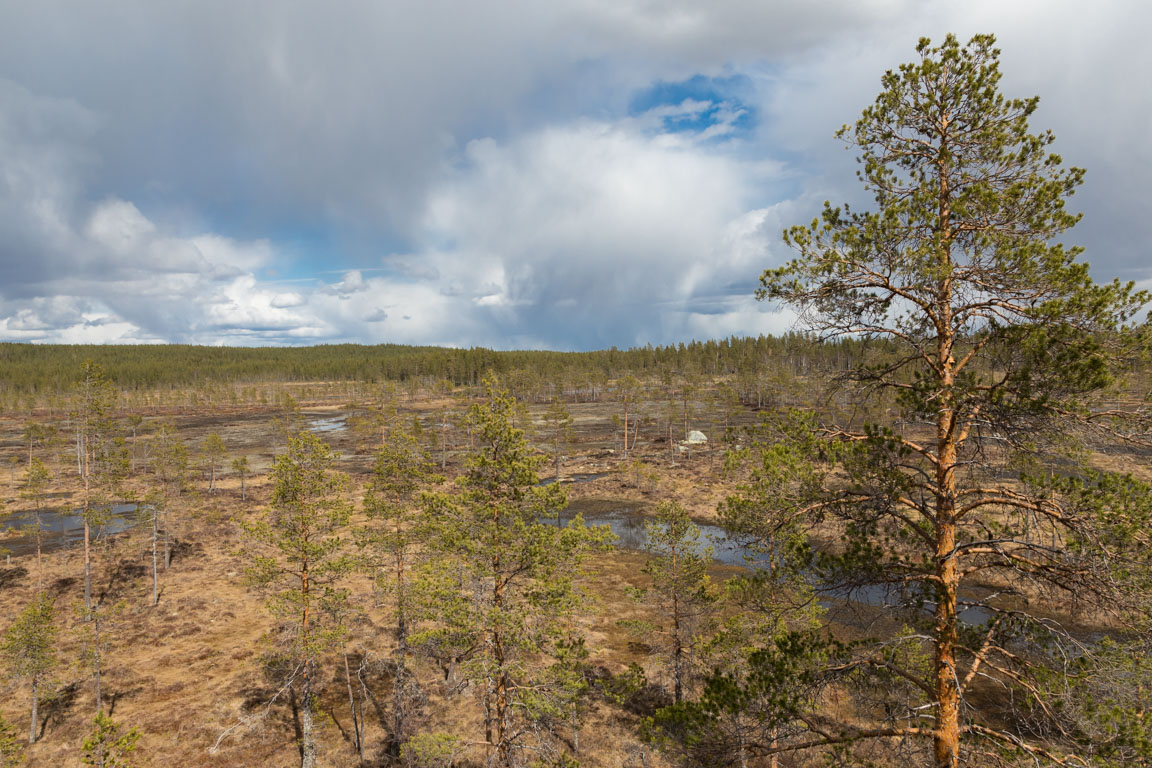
(625,430)
(352,707)
(364,695)
(946,739)
(155,561)
(87,530)
(35,712)
(307,730)
(488,738)
(400,682)
(503,748)
(677,642)
(307,735)
(39,555)
(99,675)
(87,565)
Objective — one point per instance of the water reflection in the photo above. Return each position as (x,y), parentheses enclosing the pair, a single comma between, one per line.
(579,477)
(327,424)
(61,527)
(627,522)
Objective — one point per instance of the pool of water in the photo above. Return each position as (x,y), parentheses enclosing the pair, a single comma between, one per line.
(626,520)
(579,477)
(61,527)
(323,424)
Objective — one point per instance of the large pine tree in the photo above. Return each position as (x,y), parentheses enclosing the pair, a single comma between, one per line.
(999,350)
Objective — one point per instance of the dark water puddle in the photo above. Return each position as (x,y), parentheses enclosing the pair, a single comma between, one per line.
(321,425)
(579,477)
(626,520)
(61,528)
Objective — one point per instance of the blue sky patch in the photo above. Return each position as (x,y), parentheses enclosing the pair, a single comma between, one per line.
(698,104)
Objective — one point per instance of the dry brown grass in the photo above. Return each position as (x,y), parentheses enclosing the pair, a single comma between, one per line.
(190,668)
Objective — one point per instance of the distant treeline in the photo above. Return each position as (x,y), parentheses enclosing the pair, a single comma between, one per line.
(43,369)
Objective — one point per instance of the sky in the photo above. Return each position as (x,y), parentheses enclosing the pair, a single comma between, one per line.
(569,174)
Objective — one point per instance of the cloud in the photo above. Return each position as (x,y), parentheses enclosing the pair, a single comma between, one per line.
(570,174)
(353,282)
(287,300)
(81,271)
(309,115)
(1079,64)
(582,231)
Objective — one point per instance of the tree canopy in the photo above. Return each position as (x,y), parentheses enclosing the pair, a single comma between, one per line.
(1001,351)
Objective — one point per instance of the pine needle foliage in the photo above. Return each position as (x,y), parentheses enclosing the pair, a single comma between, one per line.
(1000,355)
